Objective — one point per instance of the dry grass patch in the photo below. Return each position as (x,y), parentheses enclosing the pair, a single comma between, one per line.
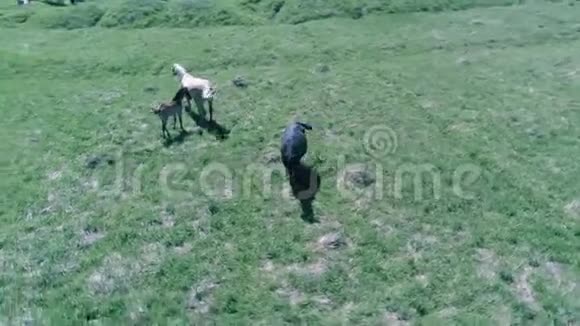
(393,319)
(183,249)
(200,296)
(487,263)
(331,241)
(564,280)
(503,316)
(423,280)
(523,289)
(166,218)
(90,237)
(573,208)
(113,275)
(381,227)
(315,269)
(280,273)
(293,296)
(447,313)
(55,175)
(418,244)
(117,272)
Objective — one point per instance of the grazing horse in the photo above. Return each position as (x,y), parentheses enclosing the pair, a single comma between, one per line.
(198,87)
(172,109)
(294,145)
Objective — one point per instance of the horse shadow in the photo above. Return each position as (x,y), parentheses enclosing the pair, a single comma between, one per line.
(213,127)
(179,139)
(305,183)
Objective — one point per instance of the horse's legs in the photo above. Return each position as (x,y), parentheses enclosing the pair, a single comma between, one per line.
(188,97)
(199,104)
(174,121)
(210,104)
(163,121)
(181,122)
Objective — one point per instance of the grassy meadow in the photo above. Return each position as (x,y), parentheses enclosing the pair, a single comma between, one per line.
(102,222)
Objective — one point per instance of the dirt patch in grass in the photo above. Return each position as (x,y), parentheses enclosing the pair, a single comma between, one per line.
(200,297)
(447,313)
(112,276)
(271,157)
(55,175)
(202,227)
(183,249)
(360,177)
(151,256)
(315,269)
(117,272)
(556,270)
(90,237)
(322,301)
(573,208)
(331,241)
(461,127)
(419,243)
(280,273)
(167,220)
(564,281)
(267,266)
(523,288)
(503,316)
(382,228)
(137,313)
(393,319)
(293,296)
(423,280)
(487,263)
(427,104)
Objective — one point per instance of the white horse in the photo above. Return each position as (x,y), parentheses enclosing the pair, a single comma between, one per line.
(201,89)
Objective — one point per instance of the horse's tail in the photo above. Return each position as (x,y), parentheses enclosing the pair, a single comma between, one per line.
(213,90)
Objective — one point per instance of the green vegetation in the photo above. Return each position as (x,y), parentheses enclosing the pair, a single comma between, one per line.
(90,233)
(195,13)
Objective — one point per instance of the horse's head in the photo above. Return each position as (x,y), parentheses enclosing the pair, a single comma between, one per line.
(177,69)
(304,126)
(157,108)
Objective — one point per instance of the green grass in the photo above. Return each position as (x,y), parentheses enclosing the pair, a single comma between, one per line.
(198,13)
(489,88)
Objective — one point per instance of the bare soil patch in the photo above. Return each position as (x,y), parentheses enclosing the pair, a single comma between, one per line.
(487,264)
(394,319)
(573,208)
(200,296)
(524,290)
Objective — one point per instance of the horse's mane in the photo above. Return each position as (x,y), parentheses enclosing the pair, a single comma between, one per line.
(179,68)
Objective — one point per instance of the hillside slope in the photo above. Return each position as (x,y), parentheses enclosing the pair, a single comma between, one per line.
(200,13)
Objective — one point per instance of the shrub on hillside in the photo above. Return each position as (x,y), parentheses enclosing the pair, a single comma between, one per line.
(193,13)
(135,13)
(407,6)
(55,2)
(80,16)
(15,18)
(299,11)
